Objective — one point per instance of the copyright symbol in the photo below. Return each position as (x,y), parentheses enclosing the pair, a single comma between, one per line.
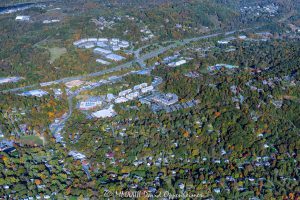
(108,194)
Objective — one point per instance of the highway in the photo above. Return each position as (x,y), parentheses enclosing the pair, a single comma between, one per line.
(137,59)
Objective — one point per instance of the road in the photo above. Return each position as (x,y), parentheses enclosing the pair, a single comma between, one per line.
(137,59)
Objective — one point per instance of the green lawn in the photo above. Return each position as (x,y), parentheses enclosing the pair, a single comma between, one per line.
(56,52)
(29,139)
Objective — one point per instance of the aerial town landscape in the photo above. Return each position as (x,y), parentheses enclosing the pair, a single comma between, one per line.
(135,99)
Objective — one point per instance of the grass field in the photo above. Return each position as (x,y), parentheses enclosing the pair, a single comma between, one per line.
(31,139)
(54,50)
(55,53)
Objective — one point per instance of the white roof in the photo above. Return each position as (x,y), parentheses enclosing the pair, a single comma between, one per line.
(180,62)
(105,113)
(146,89)
(102,39)
(104,62)
(9,79)
(122,93)
(121,100)
(115,57)
(102,51)
(92,39)
(22,17)
(142,85)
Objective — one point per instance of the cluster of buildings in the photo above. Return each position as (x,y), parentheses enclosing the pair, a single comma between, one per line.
(131,94)
(175,60)
(113,44)
(270,9)
(261,36)
(179,106)
(26,18)
(103,23)
(166,102)
(104,47)
(124,96)
(159,100)
(232,38)
(9,80)
(95,101)
(218,67)
(165,99)
(36,93)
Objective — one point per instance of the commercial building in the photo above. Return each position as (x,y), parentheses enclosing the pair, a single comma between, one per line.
(9,80)
(102,51)
(165,99)
(87,45)
(76,43)
(110,97)
(102,40)
(177,63)
(92,39)
(36,93)
(115,57)
(124,44)
(101,44)
(121,100)
(105,113)
(116,48)
(115,40)
(22,18)
(90,103)
(147,89)
(51,21)
(125,92)
(220,66)
(140,86)
(104,62)
(132,95)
